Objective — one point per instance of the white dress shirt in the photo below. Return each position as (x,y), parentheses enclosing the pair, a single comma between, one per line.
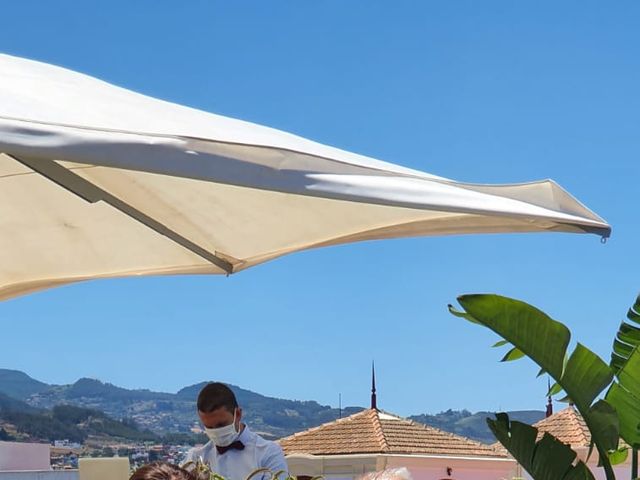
(238,464)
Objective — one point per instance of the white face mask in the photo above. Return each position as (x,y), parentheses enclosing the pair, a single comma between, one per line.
(223,436)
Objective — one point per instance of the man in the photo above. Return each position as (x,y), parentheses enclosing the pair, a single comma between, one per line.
(234,451)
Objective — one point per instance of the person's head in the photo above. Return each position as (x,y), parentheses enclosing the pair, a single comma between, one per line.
(219,413)
(162,471)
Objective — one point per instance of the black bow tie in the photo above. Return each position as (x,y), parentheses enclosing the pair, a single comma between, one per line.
(237,445)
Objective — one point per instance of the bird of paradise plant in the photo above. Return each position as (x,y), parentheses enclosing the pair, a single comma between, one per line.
(582,375)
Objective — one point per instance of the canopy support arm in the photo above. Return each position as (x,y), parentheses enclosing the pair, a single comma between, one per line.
(89,192)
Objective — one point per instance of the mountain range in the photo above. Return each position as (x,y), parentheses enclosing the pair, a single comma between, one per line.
(161,413)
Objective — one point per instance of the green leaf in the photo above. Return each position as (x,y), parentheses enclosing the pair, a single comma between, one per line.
(527,328)
(634,312)
(625,397)
(629,374)
(513,354)
(579,472)
(552,458)
(628,409)
(582,375)
(547,459)
(617,362)
(618,456)
(554,390)
(604,425)
(585,376)
(625,362)
(628,333)
(499,343)
(627,338)
(622,349)
(458,313)
(518,438)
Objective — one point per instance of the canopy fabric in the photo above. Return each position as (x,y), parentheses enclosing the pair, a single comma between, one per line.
(97,181)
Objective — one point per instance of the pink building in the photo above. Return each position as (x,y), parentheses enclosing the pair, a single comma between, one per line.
(16,456)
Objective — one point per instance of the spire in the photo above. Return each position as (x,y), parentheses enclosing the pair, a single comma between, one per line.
(549,403)
(374,404)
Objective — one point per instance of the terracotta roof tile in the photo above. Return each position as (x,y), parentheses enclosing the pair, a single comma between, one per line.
(567,426)
(374,431)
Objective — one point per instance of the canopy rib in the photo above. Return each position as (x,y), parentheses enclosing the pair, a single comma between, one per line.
(89,192)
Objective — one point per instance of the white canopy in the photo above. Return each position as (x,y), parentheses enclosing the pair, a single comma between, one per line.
(97,181)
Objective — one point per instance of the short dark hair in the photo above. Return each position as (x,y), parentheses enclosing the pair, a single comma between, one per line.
(215,395)
(162,471)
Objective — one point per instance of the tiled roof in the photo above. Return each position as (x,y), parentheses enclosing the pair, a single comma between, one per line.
(374,431)
(567,426)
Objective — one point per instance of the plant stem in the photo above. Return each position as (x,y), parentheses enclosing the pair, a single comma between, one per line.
(602,453)
(606,464)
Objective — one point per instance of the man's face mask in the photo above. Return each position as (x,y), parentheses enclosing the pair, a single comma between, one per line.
(223,436)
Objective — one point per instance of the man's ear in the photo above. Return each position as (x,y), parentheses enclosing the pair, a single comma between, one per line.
(239,415)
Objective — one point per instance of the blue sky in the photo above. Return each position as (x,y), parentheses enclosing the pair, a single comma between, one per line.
(493,92)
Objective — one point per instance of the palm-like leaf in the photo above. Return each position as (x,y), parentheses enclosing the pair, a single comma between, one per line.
(547,459)
(625,362)
(583,376)
(627,338)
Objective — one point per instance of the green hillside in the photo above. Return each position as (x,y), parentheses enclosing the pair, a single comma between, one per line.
(106,409)
(19,385)
(473,425)
(72,423)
